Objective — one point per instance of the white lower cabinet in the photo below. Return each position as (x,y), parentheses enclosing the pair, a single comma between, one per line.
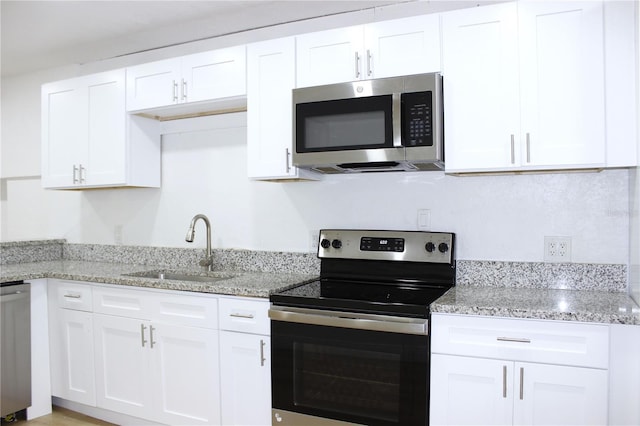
(471,391)
(148,354)
(71,342)
(122,366)
(524,372)
(245,362)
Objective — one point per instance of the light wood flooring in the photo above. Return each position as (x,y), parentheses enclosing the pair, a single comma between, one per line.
(60,417)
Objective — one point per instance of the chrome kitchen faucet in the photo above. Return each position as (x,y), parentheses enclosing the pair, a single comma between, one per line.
(191,232)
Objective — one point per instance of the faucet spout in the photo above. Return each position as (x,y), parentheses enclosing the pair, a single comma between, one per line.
(208,260)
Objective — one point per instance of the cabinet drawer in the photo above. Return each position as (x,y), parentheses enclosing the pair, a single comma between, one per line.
(553,342)
(245,315)
(121,302)
(70,295)
(191,311)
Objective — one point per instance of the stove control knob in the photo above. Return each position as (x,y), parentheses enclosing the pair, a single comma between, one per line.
(325,243)
(430,247)
(443,248)
(336,244)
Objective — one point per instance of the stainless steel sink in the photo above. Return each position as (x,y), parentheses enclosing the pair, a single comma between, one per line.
(182,276)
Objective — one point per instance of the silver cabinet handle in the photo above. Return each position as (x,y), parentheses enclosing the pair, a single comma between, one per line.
(142,329)
(262,358)
(75,174)
(528,148)
(82,174)
(521,383)
(175,91)
(248,316)
(357,61)
(369,69)
(184,90)
(513,153)
(72,296)
(513,339)
(504,381)
(286,160)
(151,328)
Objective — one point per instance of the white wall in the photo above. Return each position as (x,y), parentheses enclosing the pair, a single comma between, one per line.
(495,217)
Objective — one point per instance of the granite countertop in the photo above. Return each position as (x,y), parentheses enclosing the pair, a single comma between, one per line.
(241,283)
(564,305)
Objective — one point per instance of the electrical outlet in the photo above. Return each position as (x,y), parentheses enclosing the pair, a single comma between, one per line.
(313,241)
(117,234)
(423,220)
(557,249)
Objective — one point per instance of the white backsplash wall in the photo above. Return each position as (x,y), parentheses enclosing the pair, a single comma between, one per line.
(495,217)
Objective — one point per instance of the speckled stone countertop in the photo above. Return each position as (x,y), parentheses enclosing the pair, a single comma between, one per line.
(240,283)
(548,304)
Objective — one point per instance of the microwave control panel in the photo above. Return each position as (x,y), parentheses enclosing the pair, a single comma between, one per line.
(417,119)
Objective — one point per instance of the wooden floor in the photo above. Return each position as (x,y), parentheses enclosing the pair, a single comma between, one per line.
(60,417)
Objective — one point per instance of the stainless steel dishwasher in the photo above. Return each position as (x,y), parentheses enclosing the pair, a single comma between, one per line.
(15,347)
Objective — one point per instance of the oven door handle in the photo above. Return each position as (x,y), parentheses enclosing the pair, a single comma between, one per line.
(389,324)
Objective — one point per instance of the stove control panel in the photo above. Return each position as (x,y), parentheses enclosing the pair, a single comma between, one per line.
(410,246)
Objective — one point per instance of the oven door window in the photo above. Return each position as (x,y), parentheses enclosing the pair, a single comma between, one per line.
(344,124)
(357,376)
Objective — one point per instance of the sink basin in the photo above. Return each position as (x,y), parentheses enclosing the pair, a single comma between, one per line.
(181,276)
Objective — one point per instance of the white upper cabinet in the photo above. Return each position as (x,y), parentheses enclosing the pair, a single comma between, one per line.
(199,77)
(381,49)
(89,141)
(402,47)
(480,78)
(562,83)
(270,79)
(524,87)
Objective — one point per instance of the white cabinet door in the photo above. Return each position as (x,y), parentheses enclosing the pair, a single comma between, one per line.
(186,374)
(558,395)
(64,126)
(402,47)
(480,78)
(470,391)
(332,56)
(153,84)
(72,358)
(245,379)
(123,365)
(270,79)
(214,74)
(562,75)
(106,135)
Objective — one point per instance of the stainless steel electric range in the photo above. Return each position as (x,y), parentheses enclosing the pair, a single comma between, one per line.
(353,346)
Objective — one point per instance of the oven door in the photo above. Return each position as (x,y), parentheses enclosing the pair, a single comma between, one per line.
(324,374)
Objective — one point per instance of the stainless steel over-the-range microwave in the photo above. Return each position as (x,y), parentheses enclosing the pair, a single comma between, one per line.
(386,124)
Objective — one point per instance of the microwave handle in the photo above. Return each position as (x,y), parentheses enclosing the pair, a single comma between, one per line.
(396,113)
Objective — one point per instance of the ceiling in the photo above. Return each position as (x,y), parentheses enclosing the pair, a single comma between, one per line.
(45,34)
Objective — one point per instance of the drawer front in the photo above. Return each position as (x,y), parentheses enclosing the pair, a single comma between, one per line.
(554,342)
(245,315)
(121,302)
(191,311)
(73,295)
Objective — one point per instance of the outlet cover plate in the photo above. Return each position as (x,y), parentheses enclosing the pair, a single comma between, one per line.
(557,249)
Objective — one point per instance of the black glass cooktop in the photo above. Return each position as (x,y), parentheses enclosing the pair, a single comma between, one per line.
(401,299)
